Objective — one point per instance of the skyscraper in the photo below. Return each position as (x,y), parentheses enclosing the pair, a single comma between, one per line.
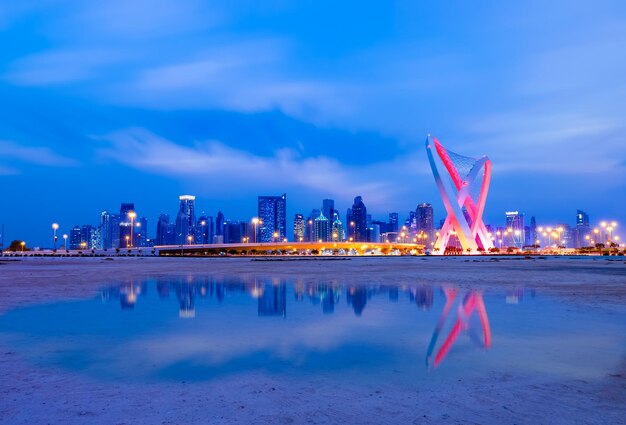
(337,232)
(328,208)
(204,229)
(161,232)
(186,219)
(393,222)
(219,228)
(515,228)
(298,228)
(85,236)
(359,217)
(582,228)
(273,214)
(320,228)
(109,230)
(125,224)
(425,222)
(75,237)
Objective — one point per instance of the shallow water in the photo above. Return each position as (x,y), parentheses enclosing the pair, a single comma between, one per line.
(198,329)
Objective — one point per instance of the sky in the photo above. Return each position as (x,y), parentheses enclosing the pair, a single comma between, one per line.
(142,101)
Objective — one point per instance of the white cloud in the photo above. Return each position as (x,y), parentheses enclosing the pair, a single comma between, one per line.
(10,152)
(217,163)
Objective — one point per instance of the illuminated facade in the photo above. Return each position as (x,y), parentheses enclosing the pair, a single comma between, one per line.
(457,181)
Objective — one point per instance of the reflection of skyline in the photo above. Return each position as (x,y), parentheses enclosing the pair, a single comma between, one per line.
(272,297)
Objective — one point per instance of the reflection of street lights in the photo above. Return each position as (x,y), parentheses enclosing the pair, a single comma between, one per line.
(65,240)
(55,226)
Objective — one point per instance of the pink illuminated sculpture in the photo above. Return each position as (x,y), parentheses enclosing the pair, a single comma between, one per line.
(460,176)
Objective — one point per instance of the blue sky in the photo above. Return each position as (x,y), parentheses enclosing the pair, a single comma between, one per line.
(104,102)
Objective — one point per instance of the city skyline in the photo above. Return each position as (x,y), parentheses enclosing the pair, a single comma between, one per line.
(419,225)
(104,108)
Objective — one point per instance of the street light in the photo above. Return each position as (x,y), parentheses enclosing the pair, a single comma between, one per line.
(255,221)
(132,215)
(55,226)
(65,240)
(23,244)
(203,223)
(275,235)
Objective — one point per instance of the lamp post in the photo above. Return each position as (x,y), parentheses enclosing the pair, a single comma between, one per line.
(255,221)
(127,239)
(132,215)
(55,226)
(23,244)
(203,223)
(65,241)
(275,236)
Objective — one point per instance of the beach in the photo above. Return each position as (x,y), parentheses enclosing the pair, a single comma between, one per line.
(32,394)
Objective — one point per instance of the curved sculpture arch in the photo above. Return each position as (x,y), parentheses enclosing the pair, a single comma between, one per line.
(456,197)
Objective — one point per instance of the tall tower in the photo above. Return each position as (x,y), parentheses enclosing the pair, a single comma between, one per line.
(186,219)
(582,228)
(328,207)
(125,224)
(320,228)
(425,222)
(273,214)
(298,228)
(337,233)
(359,218)
(515,228)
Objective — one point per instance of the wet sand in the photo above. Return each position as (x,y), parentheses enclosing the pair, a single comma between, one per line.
(33,395)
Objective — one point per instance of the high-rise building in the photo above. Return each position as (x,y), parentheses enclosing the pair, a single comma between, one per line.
(186,220)
(219,224)
(582,229)
(204,229)
(298,228)
(320,228)
(337,232)
(532,236)
(96,238)
(373,233)
(85,236)
(125,224)
(350,225)
(109,230)
(515,228)
(140,236)
(425,222)
(235,231)
(75,237)
(328,208)
(393,222)
(359,217)
(161,232)
(273,214)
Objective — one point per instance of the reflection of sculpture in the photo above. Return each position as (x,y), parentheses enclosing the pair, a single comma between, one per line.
(464,213)
(472,301)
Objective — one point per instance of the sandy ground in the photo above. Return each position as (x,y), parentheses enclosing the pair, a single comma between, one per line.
(30,395)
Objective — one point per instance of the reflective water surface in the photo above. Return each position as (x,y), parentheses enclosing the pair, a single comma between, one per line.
(202,328)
